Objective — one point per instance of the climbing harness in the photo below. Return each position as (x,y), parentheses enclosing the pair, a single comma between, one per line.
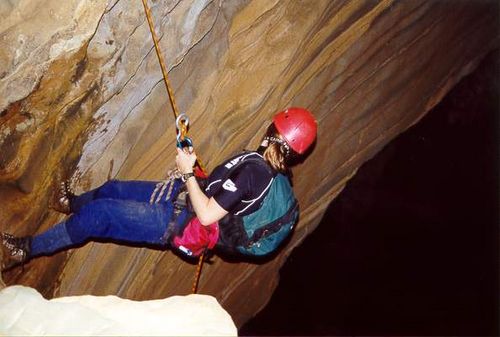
(181,122)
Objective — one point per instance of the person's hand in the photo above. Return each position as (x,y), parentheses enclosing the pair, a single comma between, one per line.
(185,159)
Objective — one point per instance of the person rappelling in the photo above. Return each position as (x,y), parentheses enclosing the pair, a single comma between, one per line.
(245,207)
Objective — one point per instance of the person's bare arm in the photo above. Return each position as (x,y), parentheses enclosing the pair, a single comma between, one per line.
(207,209)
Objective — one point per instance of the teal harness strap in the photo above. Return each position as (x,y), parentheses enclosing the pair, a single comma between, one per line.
(274,226)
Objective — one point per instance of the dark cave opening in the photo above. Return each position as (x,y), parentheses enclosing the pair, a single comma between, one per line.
(410,247)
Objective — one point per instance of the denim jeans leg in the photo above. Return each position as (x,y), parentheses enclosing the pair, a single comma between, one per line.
(134,190)
(50,241)
(120,221)
(116,189)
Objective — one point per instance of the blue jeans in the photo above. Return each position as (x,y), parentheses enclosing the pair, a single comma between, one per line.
(118,211)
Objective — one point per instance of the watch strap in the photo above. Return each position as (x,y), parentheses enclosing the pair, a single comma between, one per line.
(186,176)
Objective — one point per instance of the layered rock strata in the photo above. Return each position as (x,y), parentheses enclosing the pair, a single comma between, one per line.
(83,99)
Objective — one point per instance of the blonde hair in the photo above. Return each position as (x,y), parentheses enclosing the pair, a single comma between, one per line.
(275,155)
(276,151)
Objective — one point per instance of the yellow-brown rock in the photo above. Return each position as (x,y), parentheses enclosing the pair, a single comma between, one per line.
(82,98)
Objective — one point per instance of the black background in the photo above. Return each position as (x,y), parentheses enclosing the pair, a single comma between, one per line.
(410,247)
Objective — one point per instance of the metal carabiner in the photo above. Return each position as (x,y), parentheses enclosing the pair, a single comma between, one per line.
(182,118)
(181,123)
(185,142)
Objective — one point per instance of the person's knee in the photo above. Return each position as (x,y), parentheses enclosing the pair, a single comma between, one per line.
(109,189)
(89,221)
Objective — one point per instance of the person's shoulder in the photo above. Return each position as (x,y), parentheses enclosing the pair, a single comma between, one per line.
(257,165)
(251,156)
(238,159)
(249,164)
(254,159)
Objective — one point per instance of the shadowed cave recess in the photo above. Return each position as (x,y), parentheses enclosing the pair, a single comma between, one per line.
(410,246)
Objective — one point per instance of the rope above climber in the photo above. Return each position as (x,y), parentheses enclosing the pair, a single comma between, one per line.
(246,206)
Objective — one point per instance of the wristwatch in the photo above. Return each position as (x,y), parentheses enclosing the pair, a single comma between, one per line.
(186,176)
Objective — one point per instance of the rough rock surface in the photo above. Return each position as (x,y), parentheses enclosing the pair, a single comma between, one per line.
(82,98)
(24,312)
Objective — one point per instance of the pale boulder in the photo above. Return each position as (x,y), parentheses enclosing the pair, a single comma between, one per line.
(23,311)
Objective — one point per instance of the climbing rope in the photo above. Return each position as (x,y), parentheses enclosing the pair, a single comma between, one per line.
(198,273)
(160,58)
(181,121)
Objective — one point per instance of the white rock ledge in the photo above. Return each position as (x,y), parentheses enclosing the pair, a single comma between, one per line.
(23,311)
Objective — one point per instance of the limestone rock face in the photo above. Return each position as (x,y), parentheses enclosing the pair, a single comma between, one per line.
(82,98)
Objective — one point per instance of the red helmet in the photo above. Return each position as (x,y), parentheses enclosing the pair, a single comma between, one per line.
(297,126)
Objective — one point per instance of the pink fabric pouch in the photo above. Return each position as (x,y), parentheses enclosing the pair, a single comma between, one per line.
(196,237)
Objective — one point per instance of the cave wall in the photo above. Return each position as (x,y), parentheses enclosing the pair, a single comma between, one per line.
(83,99)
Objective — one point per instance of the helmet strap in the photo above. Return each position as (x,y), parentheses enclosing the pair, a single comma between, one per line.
(279,141)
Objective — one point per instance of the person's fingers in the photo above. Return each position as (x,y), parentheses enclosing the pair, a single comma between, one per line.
(188,150)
